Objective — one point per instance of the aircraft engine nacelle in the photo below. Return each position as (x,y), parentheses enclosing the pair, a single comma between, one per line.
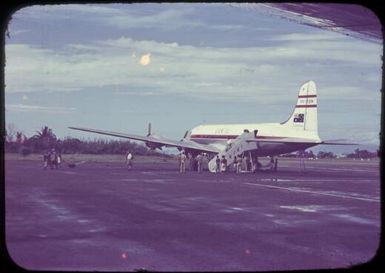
(153,145)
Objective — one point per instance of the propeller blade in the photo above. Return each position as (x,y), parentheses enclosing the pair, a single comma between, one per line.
(149,129)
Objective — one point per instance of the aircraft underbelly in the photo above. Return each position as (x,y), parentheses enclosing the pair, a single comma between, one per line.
(261,149)
(267,149)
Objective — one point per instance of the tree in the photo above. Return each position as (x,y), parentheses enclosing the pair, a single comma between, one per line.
(322,154)
(10,132)
(45,133)
(43,139)
(20,137)
(362,154)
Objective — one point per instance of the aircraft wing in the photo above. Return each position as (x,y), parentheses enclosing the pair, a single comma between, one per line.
(349,19)
(284,140)
(302,141)
(155,140)
(337,142)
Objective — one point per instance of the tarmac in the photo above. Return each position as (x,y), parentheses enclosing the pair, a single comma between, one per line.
(100,216)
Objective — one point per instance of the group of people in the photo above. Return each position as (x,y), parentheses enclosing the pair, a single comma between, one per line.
(52,159)
(196,164)
(244,164)
(220,164)
(240,163)
(193,163)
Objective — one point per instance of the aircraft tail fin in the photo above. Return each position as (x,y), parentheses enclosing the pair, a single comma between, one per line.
(304,116)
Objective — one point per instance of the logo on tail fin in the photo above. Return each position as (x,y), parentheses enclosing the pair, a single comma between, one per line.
(298,117)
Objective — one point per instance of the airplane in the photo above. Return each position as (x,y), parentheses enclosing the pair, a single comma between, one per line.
(298,133)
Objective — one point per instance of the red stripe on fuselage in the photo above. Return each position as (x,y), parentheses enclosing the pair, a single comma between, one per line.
(307,96)
(306,106)
(230,136)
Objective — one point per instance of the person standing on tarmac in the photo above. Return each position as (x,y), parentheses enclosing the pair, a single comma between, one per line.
(54,161)
(248,164)
(275,164)
(182,163)
(258,165)
(223,164)
(235,163)
(272,166)
(49,160)
(58,161)
(190,160)
(238,165)
(199,159)
(129,160)
(45,158)
(217,164)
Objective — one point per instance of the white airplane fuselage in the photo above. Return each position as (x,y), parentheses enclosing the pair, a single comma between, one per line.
(220,135)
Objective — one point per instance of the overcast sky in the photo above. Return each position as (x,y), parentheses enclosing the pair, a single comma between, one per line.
(118,67)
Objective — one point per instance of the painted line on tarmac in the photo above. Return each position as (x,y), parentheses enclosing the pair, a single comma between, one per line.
(311,180)
(315,192)
(377,170)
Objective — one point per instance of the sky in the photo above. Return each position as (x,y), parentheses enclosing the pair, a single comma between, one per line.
(118,67)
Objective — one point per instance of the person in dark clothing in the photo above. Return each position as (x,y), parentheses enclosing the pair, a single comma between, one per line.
(248,164)
(271,163)
(49,160)
(199,160)
(217,164)
(223,164)
(275,164)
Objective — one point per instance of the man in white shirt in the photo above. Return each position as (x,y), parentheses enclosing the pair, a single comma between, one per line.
(182,163)
(129,160)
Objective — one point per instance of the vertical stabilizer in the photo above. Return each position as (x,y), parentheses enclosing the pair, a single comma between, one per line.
(304,116)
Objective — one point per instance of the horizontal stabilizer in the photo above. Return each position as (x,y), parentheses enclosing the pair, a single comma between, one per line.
(338,142)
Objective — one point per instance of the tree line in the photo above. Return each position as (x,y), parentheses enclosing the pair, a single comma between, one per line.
(45,139)
(357,154)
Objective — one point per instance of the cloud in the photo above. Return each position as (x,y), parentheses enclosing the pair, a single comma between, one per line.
(256,72)
(36,108)
(268,72)
(169,18)
(131,16)
(42,12)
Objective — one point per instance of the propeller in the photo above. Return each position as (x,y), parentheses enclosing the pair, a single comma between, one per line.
(149,129)
(185,135)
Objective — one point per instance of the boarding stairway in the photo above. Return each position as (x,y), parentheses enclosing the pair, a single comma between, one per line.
(237,147)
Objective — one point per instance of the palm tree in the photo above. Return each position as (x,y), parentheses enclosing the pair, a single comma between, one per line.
(43,139)
(45,132)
